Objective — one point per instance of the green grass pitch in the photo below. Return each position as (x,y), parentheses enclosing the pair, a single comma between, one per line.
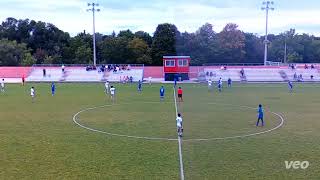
(40,140)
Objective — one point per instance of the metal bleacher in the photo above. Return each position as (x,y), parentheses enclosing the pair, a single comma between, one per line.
(80,74)
(216,73)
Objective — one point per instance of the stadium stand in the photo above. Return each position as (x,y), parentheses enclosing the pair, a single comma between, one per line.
(216,73)
(52,74)
(135,73)
(305,73)
(263,74)
(14,72)
(81,74)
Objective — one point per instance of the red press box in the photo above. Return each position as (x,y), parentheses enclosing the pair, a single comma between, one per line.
(176,67)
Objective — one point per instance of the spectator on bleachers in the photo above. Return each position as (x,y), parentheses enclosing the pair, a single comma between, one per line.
(311,77)
(44,72)
(295,76)
(306,66)
(62,68)
(312,66)
(292,66)
(131,79)
(128,67)
(211,74)
(207,73)
(242,72)
(300,78)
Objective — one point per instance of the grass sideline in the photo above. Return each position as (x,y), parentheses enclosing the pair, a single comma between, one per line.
(40,140)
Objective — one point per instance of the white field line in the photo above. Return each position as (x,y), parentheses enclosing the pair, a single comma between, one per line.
(75,120)
(179,138)
(113,134)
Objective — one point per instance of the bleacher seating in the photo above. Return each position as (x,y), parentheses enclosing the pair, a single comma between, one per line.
(263,74)
(224,74)
(135,73)
(306,74)
(52,74)
(79,74)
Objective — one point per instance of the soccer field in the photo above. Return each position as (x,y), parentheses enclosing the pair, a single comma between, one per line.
(80,134)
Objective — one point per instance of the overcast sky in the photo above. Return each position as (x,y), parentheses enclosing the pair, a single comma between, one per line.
(187,15)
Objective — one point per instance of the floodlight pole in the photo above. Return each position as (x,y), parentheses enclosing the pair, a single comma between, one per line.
(93,9)
(266,7)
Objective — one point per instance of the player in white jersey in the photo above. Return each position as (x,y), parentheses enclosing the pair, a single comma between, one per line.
(150,80)
(209,85)
(32,93)
(179,125)
(106,86)
(2,85)
(220,85)
(112,93)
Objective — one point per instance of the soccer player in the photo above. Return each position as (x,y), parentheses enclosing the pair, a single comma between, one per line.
(113,93)
(180,92)
(290,86)
(2,85)
(209,85)
(23,79)
(32,93)
(106,86)
(260,115)
(220,85)
(53,88)
(150,80)
(229,82)
(139,86)
(179,125)
(162,91)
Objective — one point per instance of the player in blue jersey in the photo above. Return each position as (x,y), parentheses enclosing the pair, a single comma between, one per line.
(260,115)
(139,86)
(290,86)
(229,82)
(162,91)
(53,89)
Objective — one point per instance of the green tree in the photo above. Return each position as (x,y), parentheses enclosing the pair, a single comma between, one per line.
(28,60)
(164,42)
(140,51)
(232,44)
(12,53)
(144,36)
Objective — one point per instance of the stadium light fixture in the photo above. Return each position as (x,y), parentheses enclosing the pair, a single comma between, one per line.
(266,7)
(93,8)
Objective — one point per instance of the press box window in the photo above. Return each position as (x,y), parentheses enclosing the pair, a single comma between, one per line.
(183,62)
(170,63)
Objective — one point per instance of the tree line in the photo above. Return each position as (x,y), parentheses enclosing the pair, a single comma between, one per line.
(26,42)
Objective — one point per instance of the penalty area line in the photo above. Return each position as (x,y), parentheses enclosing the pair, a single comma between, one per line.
(179,138)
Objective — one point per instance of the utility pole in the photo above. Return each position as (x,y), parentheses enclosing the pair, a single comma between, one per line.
(285,49)
(266,7)
(94,9)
